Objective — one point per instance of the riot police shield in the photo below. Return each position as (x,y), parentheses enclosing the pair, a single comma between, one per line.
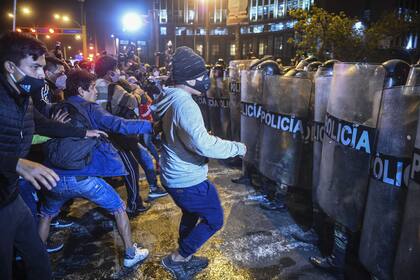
(352,114)
(235,68)
(218,104)
(251,99)
(202,103)
(284,124)
(406,265)
(323,81)
(388,180)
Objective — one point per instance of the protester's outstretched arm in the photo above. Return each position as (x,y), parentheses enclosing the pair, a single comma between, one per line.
(105,121)
(195,137)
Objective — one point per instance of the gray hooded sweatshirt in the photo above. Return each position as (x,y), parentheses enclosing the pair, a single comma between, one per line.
(186,143)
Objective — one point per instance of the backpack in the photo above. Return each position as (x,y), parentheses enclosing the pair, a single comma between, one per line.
(71,153)
(123,111)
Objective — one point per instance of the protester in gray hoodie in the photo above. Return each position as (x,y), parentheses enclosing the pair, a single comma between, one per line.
(186,149)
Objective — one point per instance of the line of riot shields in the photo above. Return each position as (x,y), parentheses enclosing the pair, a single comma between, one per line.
(346,132)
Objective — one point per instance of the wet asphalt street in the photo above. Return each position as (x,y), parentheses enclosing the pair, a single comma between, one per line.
(253,244)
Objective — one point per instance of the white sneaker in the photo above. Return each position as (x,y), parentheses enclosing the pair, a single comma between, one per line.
(140,256)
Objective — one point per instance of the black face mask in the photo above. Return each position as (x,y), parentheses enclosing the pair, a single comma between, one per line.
(201,86)
(28,85)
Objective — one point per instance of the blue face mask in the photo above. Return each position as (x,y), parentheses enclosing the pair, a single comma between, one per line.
(201,85)
(28,85)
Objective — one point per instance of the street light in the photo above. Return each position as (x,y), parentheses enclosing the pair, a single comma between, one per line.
(26,10)
(47,36)
(57,16)
(10,15)
(69,47)
(78,37)
(132,22)
(66,19)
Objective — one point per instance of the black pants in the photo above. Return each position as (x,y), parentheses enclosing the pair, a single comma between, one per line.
(125,146)
(18,231)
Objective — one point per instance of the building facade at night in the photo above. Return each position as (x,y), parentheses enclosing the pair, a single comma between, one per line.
(265,30)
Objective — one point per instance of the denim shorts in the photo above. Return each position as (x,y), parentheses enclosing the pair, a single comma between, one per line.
(93,189)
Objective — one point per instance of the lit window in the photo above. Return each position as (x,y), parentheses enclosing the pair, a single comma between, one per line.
(163,16)
(261,48)
(199,49)
(163,31)
(232,49)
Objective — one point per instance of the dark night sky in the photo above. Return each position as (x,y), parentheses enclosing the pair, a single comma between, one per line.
(103,16)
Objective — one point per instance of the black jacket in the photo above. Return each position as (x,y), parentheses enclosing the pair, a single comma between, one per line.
(18,122)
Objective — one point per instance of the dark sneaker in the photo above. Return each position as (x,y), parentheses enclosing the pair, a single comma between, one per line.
(61,223)
(140,255)
(197,264)
(328,263)
(157,193)
(309,237)
(273,206)
(242,180)
(177,269)
(54,247)
(141,209)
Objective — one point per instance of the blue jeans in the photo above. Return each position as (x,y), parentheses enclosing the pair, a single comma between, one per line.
(146,162)
(91,188)
(202,215)
(147,138)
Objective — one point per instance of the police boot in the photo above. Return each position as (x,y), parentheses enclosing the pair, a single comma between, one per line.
(245,180)
(336,261)
(273,205)
(277,204)
(309,237)
(328,263)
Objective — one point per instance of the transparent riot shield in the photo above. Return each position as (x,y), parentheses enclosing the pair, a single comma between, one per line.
(406,265)
(202,103)
(234,88)
(251,99)
(388,180)
(218,106)
(352,114)
(322,89)
(284,124)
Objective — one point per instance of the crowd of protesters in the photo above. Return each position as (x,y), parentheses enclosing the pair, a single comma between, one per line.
(67,130)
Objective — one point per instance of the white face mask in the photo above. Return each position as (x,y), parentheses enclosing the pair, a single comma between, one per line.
(115,77)
(60,83)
